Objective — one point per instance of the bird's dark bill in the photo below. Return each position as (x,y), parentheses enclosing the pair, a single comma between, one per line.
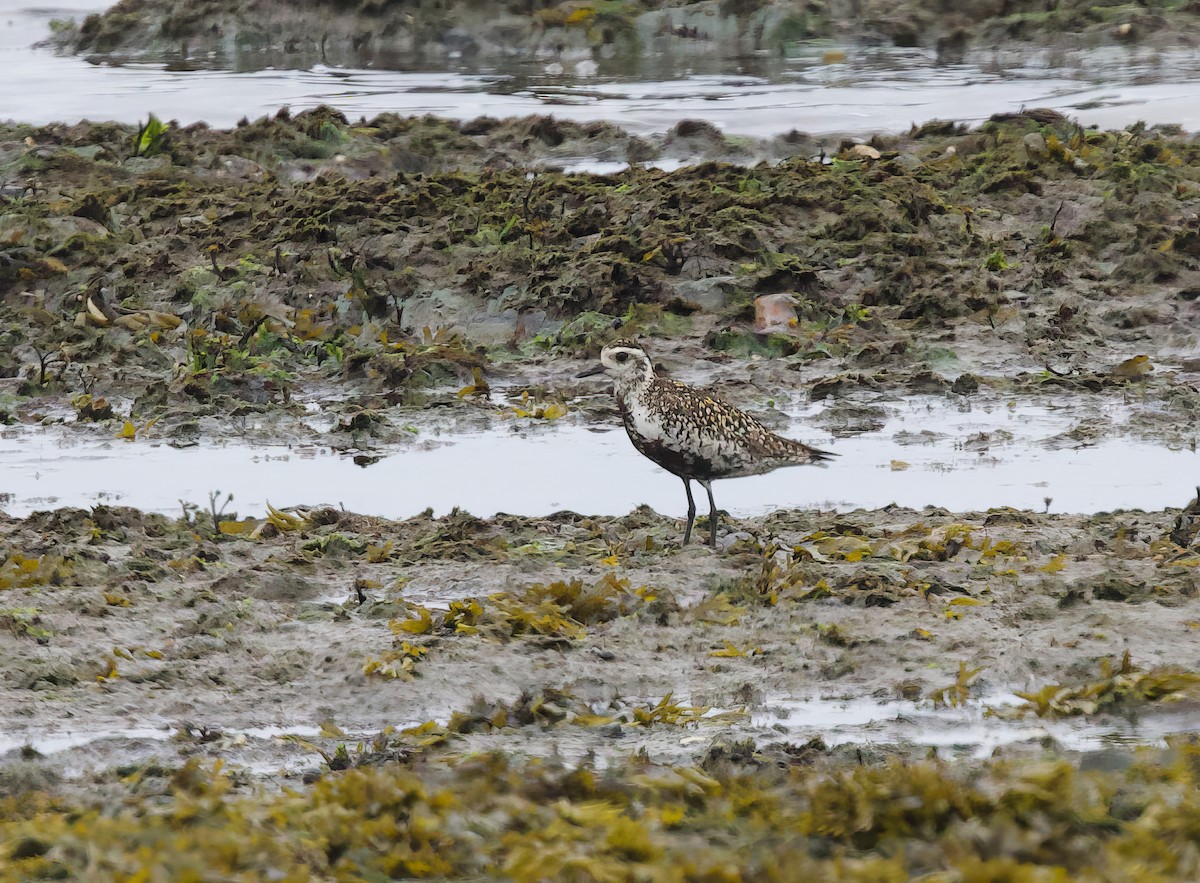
(591,372)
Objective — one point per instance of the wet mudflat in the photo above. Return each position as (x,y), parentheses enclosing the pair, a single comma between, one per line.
(835,651)
(1023,619)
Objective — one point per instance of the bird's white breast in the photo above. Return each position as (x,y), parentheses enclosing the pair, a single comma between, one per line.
(678,433)
(645,421)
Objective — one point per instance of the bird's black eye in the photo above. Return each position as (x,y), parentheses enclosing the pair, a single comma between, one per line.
(622,357)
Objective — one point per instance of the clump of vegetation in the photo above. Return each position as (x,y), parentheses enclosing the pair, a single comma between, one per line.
(550,707)
(559,613)
(1121,687)
(438,358)
(957,693)
(222,524)
(557,609)
(459,536)
(779,574)
(18,571)
(531,409)
(528,819)
(25,622)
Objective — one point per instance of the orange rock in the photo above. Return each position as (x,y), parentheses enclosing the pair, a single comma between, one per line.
(774,312)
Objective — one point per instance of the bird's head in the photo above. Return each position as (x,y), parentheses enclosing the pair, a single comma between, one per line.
(625,362)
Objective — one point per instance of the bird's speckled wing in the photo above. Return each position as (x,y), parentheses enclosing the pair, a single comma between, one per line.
(691,432)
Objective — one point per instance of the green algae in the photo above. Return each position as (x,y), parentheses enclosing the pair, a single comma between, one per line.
(25,622)
(284,281)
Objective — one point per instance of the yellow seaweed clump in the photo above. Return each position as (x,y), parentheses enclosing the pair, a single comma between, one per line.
(489,815)
(558,613)
(1121,686)
(19,571)
(556,609)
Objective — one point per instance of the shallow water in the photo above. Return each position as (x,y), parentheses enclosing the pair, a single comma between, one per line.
(979,458)
(965,730)
(873,91)
(67,740)
(968,729)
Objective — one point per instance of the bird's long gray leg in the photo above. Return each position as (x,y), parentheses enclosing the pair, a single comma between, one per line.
(712,515)
(687,534)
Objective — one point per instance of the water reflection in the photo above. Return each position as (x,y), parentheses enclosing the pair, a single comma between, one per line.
(925,453)
(762,94)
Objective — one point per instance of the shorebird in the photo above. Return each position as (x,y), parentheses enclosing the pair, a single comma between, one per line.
(691,433)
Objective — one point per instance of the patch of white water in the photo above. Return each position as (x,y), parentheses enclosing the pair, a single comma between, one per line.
(963,731)
(872,91)
(68,740)
(968,729)
(977,458)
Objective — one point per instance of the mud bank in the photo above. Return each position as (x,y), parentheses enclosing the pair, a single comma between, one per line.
(631,38)
(439,660)
(397,269)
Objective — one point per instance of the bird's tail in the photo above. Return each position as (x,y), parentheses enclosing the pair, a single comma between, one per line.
(789,451)
(812,455)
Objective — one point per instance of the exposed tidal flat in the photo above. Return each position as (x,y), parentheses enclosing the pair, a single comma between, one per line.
(867,695)
(238,362)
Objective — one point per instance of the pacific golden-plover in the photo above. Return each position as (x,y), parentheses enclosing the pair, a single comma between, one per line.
(691,433)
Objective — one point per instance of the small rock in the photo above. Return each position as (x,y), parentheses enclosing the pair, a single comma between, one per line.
(1035,146)
(864,151)
(93,409)
(730,540)
(711,294)
(62,229)
(695,129)
(239,168)
(965,384)
(139,165)
(910,161)
(774,312)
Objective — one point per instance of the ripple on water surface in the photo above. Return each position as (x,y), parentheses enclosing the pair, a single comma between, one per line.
(872,91)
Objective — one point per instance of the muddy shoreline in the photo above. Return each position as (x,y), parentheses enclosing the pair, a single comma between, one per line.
(140,649)
(588,38)
(394,266)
